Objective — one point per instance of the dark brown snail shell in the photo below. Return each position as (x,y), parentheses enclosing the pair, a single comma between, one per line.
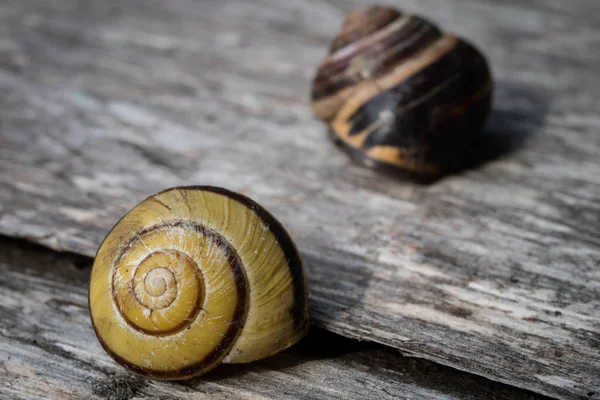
(398,93)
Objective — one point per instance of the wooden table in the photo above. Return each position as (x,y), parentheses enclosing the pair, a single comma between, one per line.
(48,350)
(494,271)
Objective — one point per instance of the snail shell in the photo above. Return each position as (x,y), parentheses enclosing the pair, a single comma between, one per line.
(398,93)
(195,276)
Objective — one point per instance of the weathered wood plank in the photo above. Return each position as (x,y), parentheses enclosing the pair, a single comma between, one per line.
(48,350)
(494,271)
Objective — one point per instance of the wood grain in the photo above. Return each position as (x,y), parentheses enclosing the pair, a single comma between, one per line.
(494,271)
(48,350)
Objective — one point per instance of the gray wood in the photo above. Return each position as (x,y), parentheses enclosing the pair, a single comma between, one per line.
(48,350)
(493,271)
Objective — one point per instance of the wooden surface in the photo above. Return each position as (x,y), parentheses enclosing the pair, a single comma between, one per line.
(48,351)
(494,271)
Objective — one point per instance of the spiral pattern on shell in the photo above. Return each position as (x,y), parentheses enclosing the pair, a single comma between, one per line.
(193,277)
(398,93)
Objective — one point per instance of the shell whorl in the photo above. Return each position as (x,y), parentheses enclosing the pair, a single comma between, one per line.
(362,23)
(398,92)
(160,290)
(193,277)
(379,48)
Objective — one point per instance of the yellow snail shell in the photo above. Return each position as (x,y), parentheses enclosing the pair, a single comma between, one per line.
(193,277)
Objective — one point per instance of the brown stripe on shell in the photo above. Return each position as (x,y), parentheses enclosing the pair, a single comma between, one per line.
(432,159)
(424,119)
(362,23)
(374,55)
(455,76)
(370,58)
(339,60)
(425,171)
(370,89)
(299,311)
